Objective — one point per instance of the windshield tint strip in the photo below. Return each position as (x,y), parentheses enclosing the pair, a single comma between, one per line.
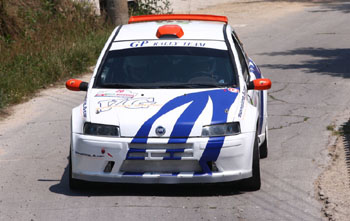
(220,45)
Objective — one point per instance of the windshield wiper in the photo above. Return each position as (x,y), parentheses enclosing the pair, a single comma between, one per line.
(185,85)
(116,85)
(190,85)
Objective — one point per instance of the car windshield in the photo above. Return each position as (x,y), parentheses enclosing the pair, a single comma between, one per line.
(166,67)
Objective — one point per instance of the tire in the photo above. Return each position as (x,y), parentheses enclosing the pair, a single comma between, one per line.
(253,183)
(74,184)
(263,148)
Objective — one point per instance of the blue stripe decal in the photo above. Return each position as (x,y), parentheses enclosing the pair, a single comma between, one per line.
(135,158)
(139,140)
(254,68)
(211,152)
(172,152)
(256,71)
(184,124)
(214,145)
(175,150)
(222,100)
(171,158)
(177,140)
(133,150)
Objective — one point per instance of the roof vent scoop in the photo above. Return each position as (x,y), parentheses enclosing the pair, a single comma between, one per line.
(170,31)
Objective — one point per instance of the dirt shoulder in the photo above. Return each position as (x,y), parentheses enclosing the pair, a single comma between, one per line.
(333,184)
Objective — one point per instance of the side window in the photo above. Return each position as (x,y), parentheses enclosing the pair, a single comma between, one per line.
(241,58)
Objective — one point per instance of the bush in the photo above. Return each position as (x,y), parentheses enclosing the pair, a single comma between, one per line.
(147,7)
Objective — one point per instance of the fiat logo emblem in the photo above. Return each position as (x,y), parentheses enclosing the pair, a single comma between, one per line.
(160,131)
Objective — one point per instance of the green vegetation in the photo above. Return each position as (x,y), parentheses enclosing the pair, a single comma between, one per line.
(147,7)
(43,41)
(331,128)
(343,129)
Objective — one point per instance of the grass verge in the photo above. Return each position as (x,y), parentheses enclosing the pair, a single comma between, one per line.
(42,41)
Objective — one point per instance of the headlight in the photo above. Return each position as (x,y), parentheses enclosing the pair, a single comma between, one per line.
(221,130)
(101,130)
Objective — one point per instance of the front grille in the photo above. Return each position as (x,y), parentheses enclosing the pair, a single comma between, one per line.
(160,166)
(161,146)
(160,152)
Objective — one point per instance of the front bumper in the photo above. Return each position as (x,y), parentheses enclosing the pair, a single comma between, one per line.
(160,162)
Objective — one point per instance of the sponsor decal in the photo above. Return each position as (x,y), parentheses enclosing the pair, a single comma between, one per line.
(138,44)
(244,94)
(116,93)
(84,108)
(233,90)
(130,103)
(173,22)
(88,155)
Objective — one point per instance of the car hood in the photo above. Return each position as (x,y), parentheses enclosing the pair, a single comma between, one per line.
(175,112)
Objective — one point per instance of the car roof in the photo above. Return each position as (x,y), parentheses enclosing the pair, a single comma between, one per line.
(193,29)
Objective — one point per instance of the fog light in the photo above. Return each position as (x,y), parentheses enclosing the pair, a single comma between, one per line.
(109,167)
(212,166)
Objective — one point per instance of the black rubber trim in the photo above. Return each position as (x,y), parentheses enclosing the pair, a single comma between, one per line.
(231,54)
(83,86)
(106,52)
(238,42)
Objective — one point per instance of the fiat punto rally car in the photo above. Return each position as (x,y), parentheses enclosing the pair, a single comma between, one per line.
(173,99)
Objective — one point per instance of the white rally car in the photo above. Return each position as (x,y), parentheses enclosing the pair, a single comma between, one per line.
(173,99)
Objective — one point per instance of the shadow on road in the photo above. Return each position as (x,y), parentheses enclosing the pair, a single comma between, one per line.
(332,62)
(170,190)
(329,5)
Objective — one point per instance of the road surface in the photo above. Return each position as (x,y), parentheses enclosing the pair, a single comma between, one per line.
(303,48)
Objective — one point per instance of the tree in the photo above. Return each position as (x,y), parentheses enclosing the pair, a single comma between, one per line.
(117,11)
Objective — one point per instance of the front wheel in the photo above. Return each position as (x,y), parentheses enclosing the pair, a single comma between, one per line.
(253,183)
(263,147)
(74,184)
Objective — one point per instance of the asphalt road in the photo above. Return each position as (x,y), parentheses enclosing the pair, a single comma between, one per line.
(306,54)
